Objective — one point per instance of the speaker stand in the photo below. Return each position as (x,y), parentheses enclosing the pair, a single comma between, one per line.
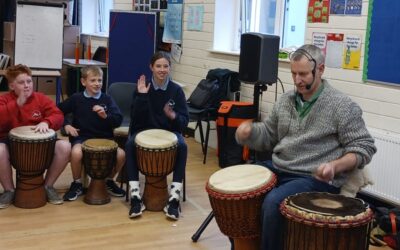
(259,88)
(203,226)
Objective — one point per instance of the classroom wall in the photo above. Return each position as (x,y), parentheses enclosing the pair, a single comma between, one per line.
(380,103)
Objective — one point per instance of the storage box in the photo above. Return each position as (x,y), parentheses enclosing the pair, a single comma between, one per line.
(9,31)
(8,49)
(47,85)
(70,33)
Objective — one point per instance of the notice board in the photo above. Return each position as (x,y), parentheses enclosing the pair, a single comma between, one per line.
(131,44)
(382,50)
(39,34)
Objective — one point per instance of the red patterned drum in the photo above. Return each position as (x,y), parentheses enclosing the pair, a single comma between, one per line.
(156,151)
(323,221)
(236,194)
(31,154)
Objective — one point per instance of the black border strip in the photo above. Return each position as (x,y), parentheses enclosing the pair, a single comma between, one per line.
(60,5)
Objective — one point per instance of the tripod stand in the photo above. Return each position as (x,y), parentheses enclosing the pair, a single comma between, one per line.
(258,89)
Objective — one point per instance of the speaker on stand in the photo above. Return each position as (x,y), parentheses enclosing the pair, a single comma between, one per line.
(258,65)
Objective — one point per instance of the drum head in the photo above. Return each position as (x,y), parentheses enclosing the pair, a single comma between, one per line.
(99,144)
(240,179)
(121,131)
(26,132)
(327,204)
(156,139)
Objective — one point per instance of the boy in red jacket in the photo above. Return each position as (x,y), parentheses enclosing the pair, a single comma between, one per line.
(22,107)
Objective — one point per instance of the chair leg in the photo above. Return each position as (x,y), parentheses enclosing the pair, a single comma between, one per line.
(184,188)
(200,125)
(206,142)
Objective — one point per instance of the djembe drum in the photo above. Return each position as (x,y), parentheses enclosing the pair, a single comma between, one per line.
(236,195)
(31,154)
(156,151)
(99,158)
(120,137)
(323,221)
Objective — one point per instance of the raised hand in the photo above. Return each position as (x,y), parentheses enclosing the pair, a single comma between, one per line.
(141,85)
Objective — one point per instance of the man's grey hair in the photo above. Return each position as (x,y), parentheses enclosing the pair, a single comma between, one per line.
(311,52)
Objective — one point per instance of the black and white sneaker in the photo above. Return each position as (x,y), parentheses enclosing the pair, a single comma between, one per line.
(113,189)
(137,207)
(172,209)
(75,190)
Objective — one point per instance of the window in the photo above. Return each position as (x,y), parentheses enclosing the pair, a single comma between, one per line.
(285,18)
(96,16)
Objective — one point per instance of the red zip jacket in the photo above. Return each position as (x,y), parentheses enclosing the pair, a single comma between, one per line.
(38,108)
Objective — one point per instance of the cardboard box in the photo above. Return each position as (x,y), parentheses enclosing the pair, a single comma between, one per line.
(8,49)
(70,33)
(47,85)
(9,31)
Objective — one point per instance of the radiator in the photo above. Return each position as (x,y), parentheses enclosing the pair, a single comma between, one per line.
(385,167)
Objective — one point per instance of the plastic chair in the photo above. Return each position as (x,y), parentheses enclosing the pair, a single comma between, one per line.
(100,54)
(122,93)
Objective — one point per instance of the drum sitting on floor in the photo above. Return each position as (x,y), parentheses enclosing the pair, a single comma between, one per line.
(236,194)
(30,154)
(99,158)
(156,151)
(323,221)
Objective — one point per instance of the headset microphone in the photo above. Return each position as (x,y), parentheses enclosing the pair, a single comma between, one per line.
(308,86)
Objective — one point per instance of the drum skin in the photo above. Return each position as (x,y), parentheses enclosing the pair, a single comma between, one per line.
(30,154)
(236,195)
(156,151)
(99,158)
(323,221)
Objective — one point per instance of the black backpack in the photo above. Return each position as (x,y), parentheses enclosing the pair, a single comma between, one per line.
(215,88)
(205,95)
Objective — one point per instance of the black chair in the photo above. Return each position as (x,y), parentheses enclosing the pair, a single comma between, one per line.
(122,93)
(100,54)
(199,115)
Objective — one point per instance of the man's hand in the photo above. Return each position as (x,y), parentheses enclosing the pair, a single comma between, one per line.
(243,132)
(325,172)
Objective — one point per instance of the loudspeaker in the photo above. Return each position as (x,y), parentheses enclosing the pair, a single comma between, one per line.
(258,58)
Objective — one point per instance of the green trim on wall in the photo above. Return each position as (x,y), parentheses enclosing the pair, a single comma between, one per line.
(367,36)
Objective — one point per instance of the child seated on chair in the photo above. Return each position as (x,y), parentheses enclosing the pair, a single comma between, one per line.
(158,104)
(94,115)
(21,107)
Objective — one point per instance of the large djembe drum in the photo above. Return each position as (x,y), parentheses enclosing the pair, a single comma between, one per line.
(99,158)
(31,154)
(156,151)
(323,221)
(236,194)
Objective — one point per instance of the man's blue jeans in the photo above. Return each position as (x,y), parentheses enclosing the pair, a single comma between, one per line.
(288,184)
